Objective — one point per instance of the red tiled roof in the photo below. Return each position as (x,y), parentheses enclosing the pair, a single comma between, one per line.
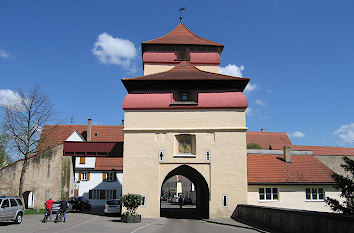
(53,135)
(186,71)
(266,139)
(109,163)
(320,150)
(182,35)
(262,169)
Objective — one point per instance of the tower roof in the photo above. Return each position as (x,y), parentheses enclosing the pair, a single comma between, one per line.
(185,74)
(186,71)
(182,35)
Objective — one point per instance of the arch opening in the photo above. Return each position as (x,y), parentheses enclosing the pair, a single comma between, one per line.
(28,199)
(200,195)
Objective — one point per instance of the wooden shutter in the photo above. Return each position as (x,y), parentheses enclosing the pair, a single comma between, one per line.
(114,176)
(77,192)
(104,175)
(88,176)
(82,160)
(102,194)
(114,194)
(79,175)
(90,194)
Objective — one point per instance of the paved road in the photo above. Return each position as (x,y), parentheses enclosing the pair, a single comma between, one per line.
(80,223)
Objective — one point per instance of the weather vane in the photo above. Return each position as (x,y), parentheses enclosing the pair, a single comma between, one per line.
(180,13)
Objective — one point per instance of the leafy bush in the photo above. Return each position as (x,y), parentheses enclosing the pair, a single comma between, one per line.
(253,146)
(131,201)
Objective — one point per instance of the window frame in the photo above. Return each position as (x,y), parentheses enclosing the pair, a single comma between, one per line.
(95,194)
(274,196)
(110,176)
(83,176)
(317,194)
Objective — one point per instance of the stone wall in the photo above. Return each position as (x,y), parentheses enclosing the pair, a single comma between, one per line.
(293,221)
(48,174)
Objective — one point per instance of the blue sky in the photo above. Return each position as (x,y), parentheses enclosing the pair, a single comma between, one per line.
(298,54)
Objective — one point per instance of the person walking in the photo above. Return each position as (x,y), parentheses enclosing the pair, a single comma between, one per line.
(63,206)
(49,207)
(180,201)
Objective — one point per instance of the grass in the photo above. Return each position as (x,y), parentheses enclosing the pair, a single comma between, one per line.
(34,211)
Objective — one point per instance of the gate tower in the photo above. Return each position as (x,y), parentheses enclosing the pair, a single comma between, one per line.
(184,118)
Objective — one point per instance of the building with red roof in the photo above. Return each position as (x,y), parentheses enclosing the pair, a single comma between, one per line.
(181,118)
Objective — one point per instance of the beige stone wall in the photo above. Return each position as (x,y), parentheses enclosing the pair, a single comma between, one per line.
(47,175)
(221,131)
(156,68)
(293,197)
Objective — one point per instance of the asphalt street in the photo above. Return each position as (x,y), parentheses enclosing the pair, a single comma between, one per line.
(80,222)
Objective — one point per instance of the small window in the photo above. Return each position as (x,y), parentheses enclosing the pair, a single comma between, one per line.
(315,194)
(13,202)
(82,160)
(161,155)
(84,176)
(110,176)
(144,201)
(109,194)
(95,194)
(207,155)
(268,194)
(184,96)
(224,201)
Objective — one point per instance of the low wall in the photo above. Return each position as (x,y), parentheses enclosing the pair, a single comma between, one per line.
(293,221)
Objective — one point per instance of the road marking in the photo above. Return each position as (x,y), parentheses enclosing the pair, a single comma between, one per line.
(137,229)
(73,227)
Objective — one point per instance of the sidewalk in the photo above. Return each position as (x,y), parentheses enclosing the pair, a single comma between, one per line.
(231,222)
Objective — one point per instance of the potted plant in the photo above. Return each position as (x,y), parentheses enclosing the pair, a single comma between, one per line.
(131,201)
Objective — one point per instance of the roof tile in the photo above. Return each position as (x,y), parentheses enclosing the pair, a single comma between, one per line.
(182,35)
(273,169)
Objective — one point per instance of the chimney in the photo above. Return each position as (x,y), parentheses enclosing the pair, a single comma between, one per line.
(89,129)
(262,130)
(287,155)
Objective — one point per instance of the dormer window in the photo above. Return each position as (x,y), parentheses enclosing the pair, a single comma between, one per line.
(185,97)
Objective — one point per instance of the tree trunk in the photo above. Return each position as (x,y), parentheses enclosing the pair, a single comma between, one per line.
(20,186)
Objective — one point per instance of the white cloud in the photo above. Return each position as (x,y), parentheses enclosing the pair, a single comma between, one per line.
(249,111)
(3,54)
(260,102)
(115,51)
(232,70)
(8,97)
(297,134)
(346,133)
(250,87)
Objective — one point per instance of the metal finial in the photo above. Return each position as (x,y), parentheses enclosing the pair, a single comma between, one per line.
(180,13)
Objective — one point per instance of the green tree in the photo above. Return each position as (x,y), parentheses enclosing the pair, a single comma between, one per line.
(253,146)
(346,185)
(23,121)
(4,156)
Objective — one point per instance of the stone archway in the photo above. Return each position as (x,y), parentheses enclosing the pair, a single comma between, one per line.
(202,194)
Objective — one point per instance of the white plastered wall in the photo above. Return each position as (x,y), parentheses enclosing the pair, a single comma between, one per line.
(293,197)
(96,182)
